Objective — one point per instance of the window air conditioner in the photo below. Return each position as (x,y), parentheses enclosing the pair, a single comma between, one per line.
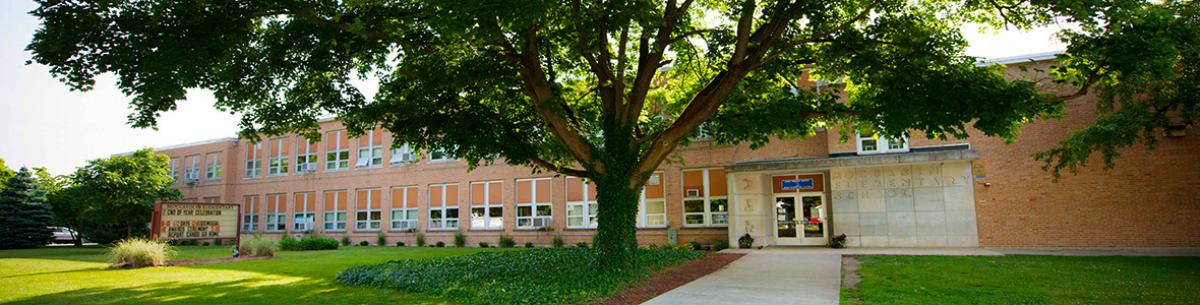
(362,162)
(542,222)
(310,167)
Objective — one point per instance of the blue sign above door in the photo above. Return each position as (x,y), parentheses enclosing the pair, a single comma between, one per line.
(796,184)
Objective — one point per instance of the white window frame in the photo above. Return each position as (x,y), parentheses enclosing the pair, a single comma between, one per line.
(193,168)
(443,222)
(445,152)
(213,169)
(368,224)
(309,217)
(172,169)
(533,205)
(337,223)
(487,221)
(882,145)
(586,206)
(250,220)
(276,222)
(374,152)
(407,210)
(644,216)
(337,159)
(305,158)
(253,164)
(403,154)
(707,200)
(277,165)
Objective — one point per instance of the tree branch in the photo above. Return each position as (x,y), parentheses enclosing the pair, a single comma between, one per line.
(558,169)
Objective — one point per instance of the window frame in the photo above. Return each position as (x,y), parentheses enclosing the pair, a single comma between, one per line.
(305,155)
(487,206)
(365,225)
(590,221)
(277,221)
(339,215)
(447,155)
(404,208)
(407,150)
(304,213)
(882,144)
(707,215)
(193,168)
(253,164)
(337,159)
(212,166)
(643,215)
(444,220)
(250,219)
(277,164)
(374,151)
(533,205)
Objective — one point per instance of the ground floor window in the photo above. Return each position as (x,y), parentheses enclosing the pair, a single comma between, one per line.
(443,206)
(249,223)
(335,220)
(368,219)
(303,221)
(487,211)
(404,219)
(534,216)
(704,198)
(652,208)
(582,207)
(334,217)
(443,218)
(276,222)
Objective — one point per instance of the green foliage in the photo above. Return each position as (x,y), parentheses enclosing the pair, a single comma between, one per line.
(205,243)
(258,245)
(140,252)
(381,239)
(745,242)
(420,240)
(507,241)
(25,218)
(308,243)
(720,244)
(581,245)
(460,240)
(363,243)
(399,244)
(440,244)
(529,244)
(345,240)
(695,245)
(483,244)
(557,242)
(112,198)
(533,276)
(288,243)
(5,173)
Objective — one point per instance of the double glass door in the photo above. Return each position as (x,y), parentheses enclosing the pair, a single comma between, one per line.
(800,219)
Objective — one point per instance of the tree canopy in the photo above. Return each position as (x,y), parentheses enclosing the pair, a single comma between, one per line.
(113,198)
(25,219)
(608,89)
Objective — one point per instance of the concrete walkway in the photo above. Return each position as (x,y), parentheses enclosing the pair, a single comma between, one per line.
(765,277)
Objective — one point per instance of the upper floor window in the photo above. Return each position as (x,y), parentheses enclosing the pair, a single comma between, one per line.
(173,168)
(192,174)
(212,166)
(306,156)
(370,148)
(652,210)
(487,211)
(441,154)
(277,159)
(337,152)
(870,142)
(705,201)
(533,204)
(403,154)
(253,164)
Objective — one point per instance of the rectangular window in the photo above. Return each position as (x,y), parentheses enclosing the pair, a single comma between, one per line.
(871,143)
(443,206)
(337,152)
(334,218)
(192,174)
(652,210)
(404,208)
(581,203)
(276,212)
(214,199)
(277,159)
(173,168)
(368,215)
(533,204)
(212,166)
(253,164)
(249,213)
(404,154)
(487,210)
(705,200)
(370,149)
(306,156)
(304,211)
(441,154)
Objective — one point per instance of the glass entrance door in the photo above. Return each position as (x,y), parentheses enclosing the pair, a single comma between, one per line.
(800,219)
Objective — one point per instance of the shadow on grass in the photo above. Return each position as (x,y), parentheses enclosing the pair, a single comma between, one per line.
(245,291)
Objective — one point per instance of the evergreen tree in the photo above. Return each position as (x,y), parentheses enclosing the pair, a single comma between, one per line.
(26,217)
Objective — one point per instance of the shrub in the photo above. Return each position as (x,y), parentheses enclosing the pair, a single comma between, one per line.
(534,276)
(308,243)
(460,240)
(345,240)
(720,244)
(205,243)
(557,242)
(483,244)
(399,244)
(582,244)
(696,245)
(257,245)
(420,240)
(288,243)
(363,243)
(380,240)
(140,252)
(745,242)
(187,242)
(440,244)
(529,244)
(507,242)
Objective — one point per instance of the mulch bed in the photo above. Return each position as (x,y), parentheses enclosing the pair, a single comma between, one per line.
(215,260)
(668,279)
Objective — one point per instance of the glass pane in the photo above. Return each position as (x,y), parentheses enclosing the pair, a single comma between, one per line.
(813,223)
(718,205)
(655,207)
(693,206)
(869,145)
(785,216)
(524,222)
(543,210)
(476,212)
(496,212)
(412,214)
(575,221)
(524,211)
(720,219)
(397,214)
(435,214)
(376,215)
(697,219)
(452,213)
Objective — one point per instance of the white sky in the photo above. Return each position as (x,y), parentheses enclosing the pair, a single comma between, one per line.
(43,123)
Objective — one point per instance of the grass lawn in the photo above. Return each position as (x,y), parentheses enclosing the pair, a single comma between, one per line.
(78,276)
(1026,280)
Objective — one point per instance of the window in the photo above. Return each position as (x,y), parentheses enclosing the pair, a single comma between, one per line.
(192,174)
(214,199)
(704,198)
(871,143)
(276,212)
(652,210)
(337,155)
(277,159)
(404,208)
(334,218)
(212,166)
(370,149)
(441,154)
(403,154)
(533,204)
(250,213)
(443,206)
(173,168)
(253,164)
(487,210)
(367,213)
(304,211)
(702,133)
(581,203)
(306,156)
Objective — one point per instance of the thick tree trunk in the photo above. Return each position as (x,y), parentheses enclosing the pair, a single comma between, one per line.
(617,196)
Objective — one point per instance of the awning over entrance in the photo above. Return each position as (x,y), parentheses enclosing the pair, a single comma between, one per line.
(917,155)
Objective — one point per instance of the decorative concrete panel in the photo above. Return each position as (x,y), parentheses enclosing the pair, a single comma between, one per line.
(871,201)
(959,198)
(931,223)
(873,224)
(929,199)
(902,241)
(899,200)
(845,201)
(919,205)
(842,179)
(897,176)
(931,241)
(845,223)
(902,224)
(962,241)
(874,241)
(961,223)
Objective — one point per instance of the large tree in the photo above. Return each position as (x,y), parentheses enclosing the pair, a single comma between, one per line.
(112,198)
(25,218)
(608,89)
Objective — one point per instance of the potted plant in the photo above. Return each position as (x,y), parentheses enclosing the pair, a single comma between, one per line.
(838,241)
(745,242)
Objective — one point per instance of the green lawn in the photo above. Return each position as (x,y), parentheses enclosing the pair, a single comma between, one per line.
(1026,280)
(78,276)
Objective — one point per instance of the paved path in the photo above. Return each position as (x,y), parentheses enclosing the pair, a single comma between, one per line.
(765,277)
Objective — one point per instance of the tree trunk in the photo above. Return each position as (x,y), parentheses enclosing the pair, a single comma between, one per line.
(617,196)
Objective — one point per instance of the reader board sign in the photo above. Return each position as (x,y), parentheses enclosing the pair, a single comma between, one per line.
(195,220)
(796,184)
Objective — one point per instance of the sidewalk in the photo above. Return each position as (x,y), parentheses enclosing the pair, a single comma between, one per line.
(765,277)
